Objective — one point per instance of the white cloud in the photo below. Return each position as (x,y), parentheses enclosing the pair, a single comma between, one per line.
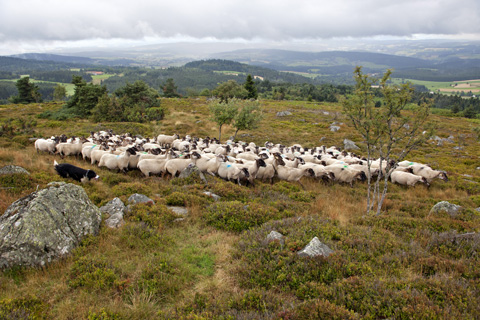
(33,22)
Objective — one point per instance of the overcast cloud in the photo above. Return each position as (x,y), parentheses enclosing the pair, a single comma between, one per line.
(25,23)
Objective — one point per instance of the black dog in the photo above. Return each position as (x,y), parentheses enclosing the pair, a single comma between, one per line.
(67,170)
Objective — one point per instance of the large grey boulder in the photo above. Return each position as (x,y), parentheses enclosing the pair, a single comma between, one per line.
(444,206)
(11,169)
(315,249)
(46,225)
(115,209)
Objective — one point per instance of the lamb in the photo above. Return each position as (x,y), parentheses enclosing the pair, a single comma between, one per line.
(46,145)
(66,170)
(165,140)
(119,162)
(407,178)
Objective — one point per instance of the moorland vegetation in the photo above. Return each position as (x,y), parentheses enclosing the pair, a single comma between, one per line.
(404,263)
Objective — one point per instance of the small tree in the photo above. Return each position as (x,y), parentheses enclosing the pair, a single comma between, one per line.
(251,88)
(170,89)
(223,113)
(228,90)
(27,91)
(59,93)
(248,117)
(389,132)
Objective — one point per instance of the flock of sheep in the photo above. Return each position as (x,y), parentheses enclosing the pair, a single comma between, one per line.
(168,155)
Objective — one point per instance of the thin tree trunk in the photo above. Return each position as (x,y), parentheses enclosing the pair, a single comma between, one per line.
(235,135)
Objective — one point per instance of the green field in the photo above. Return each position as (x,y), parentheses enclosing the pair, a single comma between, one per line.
(453,87)
(97,79)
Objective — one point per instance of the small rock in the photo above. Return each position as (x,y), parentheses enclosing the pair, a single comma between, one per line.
(283,113)
(326,113)
(314,249)
(139,198)
(213,195)
(115,208)
(444,206)
(406,126)
(193,171)
(458,148)
(179,210)
(275,236)
(10,169)
(478,209)
(334,128)
(115,221)
(350,145)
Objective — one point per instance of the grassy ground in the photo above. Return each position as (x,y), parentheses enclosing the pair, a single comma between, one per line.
(403,264)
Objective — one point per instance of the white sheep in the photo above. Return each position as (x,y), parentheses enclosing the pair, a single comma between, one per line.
(46,145)
(407,178)
(155,165)
(69,149)
(231,172)
(346,174)
(118,162)
(175,166)
(252,167)
(291,174)
(209,164)
(428,173)
(165,140)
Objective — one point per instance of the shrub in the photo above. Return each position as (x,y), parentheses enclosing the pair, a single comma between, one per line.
(231,191)
(92,275)
(235,216)
(23,308)
(129,188)
(154,216)
(318,309)
(161,278)
(104,315)
(17,183)
(176,199)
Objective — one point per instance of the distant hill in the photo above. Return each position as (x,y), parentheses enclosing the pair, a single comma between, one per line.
(54,58)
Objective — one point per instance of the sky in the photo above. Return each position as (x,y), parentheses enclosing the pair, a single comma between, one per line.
(49,25)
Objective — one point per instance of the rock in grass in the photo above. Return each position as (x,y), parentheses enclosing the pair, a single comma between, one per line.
(192,171)
(115,209)
(181,211)
(46,225)
(212,195)
(10,169)
(315,249)
(139,198)
(283,113)
(275,236)
(444,206)
(350,145)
